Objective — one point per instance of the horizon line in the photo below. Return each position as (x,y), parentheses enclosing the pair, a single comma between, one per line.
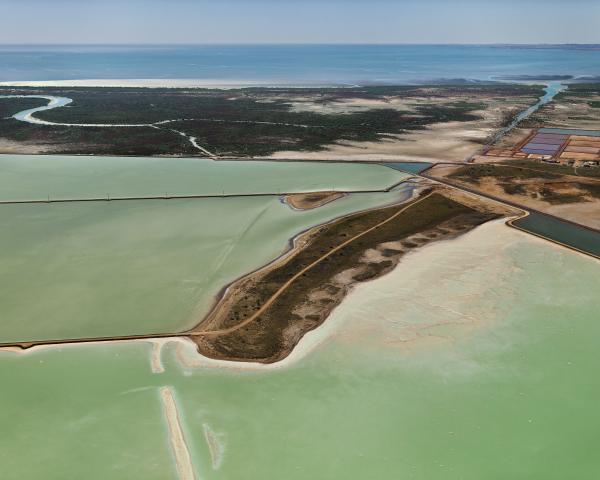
(436,44)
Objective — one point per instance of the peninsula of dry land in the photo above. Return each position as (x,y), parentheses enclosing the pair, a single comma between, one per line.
(262,316)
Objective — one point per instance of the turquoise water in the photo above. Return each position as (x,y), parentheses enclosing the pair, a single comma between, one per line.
(292,64)
(88,413)
(35,177)
(475,359)
(142,266)
(410,167)
(580,238)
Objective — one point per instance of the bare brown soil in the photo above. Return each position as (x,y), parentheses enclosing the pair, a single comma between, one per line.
(571,197)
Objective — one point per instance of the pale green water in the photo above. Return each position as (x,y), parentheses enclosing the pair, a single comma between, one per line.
(35,177)
(82,413)
(119,268)
(475,359)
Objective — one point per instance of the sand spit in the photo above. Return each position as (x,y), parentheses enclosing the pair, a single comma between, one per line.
(156,358)
(162,83)
(183,461)
(215,446)
(308,201)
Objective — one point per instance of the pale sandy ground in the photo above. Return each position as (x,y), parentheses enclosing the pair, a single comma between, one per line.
(153,83)
(514,138)
(585,213)
(571,112)
(179,448)
(353,105)
(10,146)
(308,201)
(441,142)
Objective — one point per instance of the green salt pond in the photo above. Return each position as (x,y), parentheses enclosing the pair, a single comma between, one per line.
(410,167)
(578,237)
(37,177)
(82,413)
(474,359)
(137,267)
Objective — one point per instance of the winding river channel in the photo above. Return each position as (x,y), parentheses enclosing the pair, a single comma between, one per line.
(57,102)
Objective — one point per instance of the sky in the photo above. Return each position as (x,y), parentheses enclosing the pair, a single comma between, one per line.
(299,21)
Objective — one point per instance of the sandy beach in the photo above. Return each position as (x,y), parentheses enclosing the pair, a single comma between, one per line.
(160,83)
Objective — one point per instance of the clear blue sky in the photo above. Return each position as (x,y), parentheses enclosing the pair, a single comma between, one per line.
(300,21)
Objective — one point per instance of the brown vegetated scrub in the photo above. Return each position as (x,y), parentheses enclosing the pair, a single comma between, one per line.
(576,107)
(264,315)
(444,140)
(560,190)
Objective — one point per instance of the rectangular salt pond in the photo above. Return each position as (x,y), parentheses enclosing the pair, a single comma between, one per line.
(578,237)
(570,131)
(101,269)
(38,177)
(542,146)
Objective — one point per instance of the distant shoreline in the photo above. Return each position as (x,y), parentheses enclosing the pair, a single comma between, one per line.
(167,83)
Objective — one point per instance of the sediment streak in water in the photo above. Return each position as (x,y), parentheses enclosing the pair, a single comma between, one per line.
(183,461)
(215,447)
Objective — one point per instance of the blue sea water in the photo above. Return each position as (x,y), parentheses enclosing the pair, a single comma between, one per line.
(294,64)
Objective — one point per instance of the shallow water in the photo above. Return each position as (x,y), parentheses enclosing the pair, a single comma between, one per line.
(142,266)
(35,177)
(82,413)
(427,373)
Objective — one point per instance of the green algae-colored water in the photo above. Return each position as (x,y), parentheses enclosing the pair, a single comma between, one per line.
(411,167)
(37,177)
(137,267)
(474,359)
(89,412)
(581,238)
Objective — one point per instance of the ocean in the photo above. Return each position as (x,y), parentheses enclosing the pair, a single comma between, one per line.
(295,64)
